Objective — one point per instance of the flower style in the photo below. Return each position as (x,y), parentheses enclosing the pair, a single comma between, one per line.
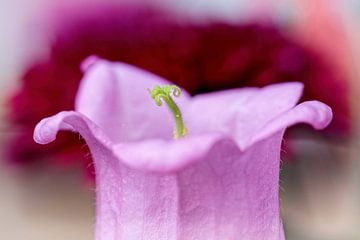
(220,181)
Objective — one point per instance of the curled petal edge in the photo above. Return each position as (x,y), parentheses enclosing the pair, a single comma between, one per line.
(314,113)
(47,129)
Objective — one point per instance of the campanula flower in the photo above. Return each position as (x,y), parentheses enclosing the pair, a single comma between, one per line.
(218,180)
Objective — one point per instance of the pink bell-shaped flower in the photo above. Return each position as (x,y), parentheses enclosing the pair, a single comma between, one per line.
(219,182)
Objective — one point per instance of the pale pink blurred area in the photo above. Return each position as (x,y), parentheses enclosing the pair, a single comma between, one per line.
(322,199)
(321,24)
(45,204)
(39,204)
(320,191)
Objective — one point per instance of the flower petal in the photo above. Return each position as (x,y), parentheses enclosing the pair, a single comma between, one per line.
(158,155)
(228,194)
(315,113)
(115,96)
(46,130)
(166,156)
(245,112)
(131,204)
(232,194)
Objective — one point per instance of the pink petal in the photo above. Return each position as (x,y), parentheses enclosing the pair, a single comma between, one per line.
(227,195)
(158,155)
(131,204)
(164,156)
(314,113)
(167,156)
(115,96)
(243,112)
(232,194)
(46,130)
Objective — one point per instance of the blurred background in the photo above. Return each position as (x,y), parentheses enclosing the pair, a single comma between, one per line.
(47,192)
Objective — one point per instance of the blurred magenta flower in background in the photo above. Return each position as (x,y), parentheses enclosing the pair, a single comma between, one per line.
(198,57)
(221,181)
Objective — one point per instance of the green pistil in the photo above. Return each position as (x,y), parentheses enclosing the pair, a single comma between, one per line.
(160,94)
